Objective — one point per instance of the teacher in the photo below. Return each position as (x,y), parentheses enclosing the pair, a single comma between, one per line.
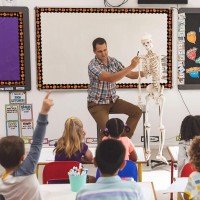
(104,71)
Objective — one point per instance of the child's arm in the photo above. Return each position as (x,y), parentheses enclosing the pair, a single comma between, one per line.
(29,164)
(88,156)
(132,153)
(133,156)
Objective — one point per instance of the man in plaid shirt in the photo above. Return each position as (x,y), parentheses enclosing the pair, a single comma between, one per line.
(104,71)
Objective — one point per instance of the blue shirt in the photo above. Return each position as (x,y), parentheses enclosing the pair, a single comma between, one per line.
(102,92)
(111,188)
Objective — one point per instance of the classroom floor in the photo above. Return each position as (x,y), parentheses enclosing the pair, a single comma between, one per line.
(160,176)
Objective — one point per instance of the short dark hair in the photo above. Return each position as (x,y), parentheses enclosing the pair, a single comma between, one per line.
(194,153)
(11,151)
(98,41)
(115,127)
(109,156)
(190,127)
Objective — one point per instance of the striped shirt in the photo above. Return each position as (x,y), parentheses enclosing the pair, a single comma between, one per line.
(111,188)
(102,92)
(193,186)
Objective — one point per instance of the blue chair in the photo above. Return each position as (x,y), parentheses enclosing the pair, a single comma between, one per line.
(129,171)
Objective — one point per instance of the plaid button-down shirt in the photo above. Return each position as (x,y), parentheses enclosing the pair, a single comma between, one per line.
(102,92)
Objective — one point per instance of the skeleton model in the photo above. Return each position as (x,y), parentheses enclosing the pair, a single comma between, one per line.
(151,67)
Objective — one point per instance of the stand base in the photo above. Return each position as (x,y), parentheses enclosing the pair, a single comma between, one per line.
(158,163)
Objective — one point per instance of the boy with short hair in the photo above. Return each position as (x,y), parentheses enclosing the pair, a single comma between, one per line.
(109,159)
(19,180)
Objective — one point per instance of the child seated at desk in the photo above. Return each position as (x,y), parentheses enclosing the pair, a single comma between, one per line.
(19,180)
(114,129)
(190,128)
(109,158)
(70,146)
(192,190)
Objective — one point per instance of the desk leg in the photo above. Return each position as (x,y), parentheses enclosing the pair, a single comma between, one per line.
(140,172)
(172,177)
(37,170)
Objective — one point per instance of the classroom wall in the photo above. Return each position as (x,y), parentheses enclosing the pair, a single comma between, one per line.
(74,103)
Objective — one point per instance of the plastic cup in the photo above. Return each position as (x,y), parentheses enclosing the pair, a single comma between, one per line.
(77,182)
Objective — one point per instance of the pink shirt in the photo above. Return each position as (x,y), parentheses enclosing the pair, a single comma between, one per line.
(129,146)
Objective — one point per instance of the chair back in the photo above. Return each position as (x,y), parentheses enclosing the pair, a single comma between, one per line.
(129,171)
(58,171)
(187,170)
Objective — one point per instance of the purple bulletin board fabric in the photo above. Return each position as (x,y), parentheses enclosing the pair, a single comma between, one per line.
(9,49)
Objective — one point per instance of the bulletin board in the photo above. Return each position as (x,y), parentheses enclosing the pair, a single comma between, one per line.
(65,35)
(14,49)
(189,48)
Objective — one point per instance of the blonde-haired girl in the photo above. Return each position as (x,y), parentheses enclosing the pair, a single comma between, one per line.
(70,145)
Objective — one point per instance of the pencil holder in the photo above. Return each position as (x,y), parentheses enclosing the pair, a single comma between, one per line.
(77,181)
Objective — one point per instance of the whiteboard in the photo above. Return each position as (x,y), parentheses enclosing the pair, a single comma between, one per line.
(65,36)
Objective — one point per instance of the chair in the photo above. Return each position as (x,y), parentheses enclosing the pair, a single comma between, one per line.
(57,172)
(130,170)
(187,170)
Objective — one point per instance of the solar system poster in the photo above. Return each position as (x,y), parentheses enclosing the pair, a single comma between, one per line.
(192,49)
(189,48)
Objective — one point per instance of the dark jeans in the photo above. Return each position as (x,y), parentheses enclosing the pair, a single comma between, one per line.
(100,113)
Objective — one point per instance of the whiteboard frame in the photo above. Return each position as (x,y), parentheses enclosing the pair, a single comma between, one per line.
(42,29)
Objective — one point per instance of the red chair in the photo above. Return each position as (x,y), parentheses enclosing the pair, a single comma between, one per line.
(57,172)
(187,170)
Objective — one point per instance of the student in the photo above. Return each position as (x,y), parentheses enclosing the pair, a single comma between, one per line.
(70,145)
(114,128)
(192,190)
(109,159)
(19,180)
(190,128)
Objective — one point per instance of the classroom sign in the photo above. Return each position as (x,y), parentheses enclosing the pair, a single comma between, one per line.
(26,112)
(12,128)
(11,112)
(18,97)
(27,128)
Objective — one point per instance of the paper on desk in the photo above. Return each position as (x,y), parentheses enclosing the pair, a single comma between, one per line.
(177,186)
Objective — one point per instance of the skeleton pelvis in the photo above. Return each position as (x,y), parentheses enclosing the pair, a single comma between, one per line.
(153,91)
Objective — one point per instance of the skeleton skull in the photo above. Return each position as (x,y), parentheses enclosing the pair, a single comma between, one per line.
(147,42)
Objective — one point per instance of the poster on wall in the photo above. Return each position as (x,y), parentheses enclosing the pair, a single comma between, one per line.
(27,128)
(14,49)
(12,128)
(188,48)
(17,97)
(83,25)
(12,112)
(26,112)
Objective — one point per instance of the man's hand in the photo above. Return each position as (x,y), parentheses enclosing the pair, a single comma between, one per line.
(135,61)
(47,104)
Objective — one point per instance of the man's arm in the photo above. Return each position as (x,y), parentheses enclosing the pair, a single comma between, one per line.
(109,77)
(134,75)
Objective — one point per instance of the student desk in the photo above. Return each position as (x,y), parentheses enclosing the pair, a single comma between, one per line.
(178,186)
(63,191)
(47,156)
(173,152)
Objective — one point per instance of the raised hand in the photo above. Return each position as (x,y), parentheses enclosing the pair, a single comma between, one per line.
(47,104)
